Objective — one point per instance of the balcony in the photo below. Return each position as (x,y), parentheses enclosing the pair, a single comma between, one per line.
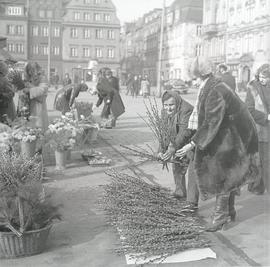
(210,29)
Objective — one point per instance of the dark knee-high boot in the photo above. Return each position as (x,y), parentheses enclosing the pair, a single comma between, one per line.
(232,211)
(221,216)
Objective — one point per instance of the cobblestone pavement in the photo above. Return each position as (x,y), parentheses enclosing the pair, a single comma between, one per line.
(83,239)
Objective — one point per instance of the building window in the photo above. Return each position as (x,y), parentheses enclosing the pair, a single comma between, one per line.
(99,34)
(20,30)
(41,13)
(56,32)
(111,34)
(73,51)
(87,1)
(44,50)
(49,14)
(34,30)
(44,31)
(35,49)
(73,33)
(97,2)
(97,16)
(87,16)
(107,17)
(86,33)
(10,29)
(14,11)
(99,52)
(11,47)
(110,53)
(77,15)
(56,50)
(86,52)
(19,48)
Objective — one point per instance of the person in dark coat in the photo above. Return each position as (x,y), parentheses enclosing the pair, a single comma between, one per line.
(258,103)
(129,84)
(7,107)
(177,111)
(113,105)
(226,144)
(65,96)
(226,76)
(67,80)
(117,100)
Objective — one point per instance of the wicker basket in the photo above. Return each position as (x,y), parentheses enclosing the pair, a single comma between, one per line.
(30,243)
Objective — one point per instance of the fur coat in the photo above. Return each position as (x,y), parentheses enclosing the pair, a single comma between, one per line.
(226,141)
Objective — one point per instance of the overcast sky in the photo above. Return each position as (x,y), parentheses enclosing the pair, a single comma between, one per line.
(129,10)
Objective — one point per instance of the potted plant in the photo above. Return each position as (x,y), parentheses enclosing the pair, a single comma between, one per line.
(28,138)
(62,135)
(26,210)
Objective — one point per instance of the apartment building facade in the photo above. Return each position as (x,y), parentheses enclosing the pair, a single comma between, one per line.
(237,32)
(91,33)
(14,26)
(182,39)
(45,35)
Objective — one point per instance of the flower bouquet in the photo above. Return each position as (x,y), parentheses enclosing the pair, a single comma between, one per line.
(84,109)
(62,135)
(28,138)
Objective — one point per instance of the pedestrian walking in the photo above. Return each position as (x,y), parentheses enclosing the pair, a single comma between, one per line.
(225,142)
(67,80)
(177,111)
(136,86)
(65,97)
(117,105)
(258,102)
(129,84)
(145,86)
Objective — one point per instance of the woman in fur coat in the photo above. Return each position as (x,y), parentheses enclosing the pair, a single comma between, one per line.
(226,144)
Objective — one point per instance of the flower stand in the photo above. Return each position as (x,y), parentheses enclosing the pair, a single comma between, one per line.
(28,148)
(60,159)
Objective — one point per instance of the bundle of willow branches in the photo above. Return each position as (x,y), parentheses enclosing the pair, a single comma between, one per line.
(159,125)
(151,221)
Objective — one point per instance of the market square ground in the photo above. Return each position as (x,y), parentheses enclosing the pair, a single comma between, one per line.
(83,238)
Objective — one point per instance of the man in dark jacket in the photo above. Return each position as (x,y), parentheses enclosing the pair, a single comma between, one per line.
(226,76)
(258,102)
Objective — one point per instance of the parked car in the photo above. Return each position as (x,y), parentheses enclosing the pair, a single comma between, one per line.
(177,85)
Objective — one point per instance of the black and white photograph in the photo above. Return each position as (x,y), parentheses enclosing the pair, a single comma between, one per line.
(134,133)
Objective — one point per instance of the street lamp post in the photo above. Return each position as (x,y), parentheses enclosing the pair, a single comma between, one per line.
(160,50)
(49,52)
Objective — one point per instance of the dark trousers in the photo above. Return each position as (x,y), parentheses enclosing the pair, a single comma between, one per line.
(264,183)
(190,191)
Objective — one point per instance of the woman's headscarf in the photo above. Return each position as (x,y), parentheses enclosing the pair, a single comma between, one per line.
(172,94)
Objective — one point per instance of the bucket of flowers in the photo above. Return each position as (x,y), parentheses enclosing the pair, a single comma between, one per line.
(27,211)
(27,136)
(62,135)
